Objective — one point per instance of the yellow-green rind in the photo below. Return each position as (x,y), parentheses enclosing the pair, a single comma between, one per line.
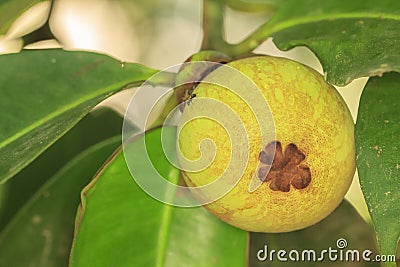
(307,112)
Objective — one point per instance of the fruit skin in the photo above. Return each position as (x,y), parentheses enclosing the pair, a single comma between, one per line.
(307,112)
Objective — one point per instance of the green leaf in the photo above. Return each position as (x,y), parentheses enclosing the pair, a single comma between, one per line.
(344,223)
(120,225)
(378,150)
(15,192)
(352,39)
(44,93)
(10,10)
(41,233)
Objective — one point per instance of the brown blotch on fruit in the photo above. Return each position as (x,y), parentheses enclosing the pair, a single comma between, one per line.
(262,173)
(283,168)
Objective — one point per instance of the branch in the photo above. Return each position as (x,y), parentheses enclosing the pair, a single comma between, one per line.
(251,42)
(213,29)
(213,25)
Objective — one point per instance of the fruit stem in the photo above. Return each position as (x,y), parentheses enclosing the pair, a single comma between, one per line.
(213,25)
(164,78)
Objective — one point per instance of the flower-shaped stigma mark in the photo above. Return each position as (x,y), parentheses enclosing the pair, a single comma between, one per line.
(283,168)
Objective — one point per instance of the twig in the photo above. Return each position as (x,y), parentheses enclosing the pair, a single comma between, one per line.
(213,25)
(251,42)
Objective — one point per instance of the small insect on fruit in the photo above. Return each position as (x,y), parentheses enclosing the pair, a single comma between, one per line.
(191,99)
(196,67)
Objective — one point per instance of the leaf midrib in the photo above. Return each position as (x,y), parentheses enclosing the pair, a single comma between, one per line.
(62,110)
(165,222)
(276,25)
